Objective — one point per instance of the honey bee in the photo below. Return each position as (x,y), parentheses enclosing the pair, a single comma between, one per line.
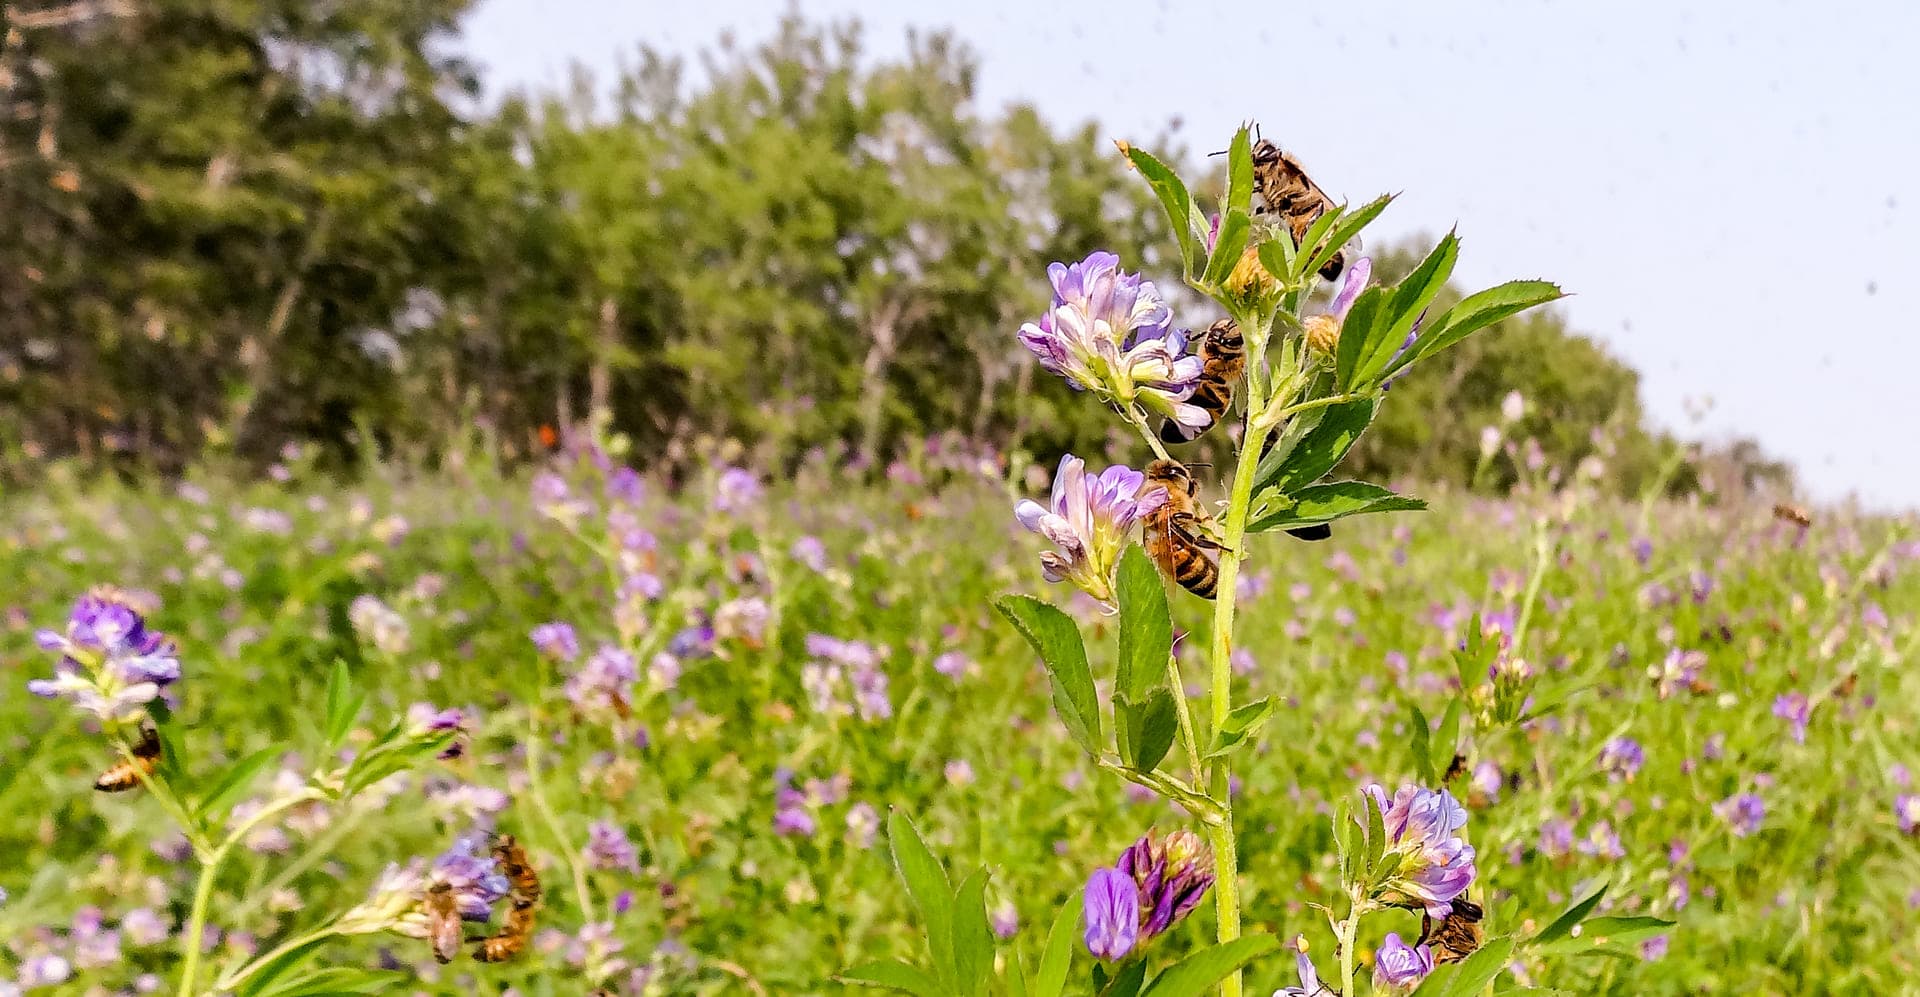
(443,921)
(1285,189)
(523,893)
(127,773)
(1787,512)
(1175,532)
(1456,768)
(1223,357)
(1457,935)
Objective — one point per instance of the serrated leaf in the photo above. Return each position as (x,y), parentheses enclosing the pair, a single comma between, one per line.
(1183,213)
(1410,297)
(926,882)
(1350,224)
(1240,171)
(343,703)
(1228,246)
(1277,253)
(1057,639)
(1475,312)
(1154,730)
(1328,502)
(1321,449)
(1241,724)
(972,936)
(1420,745)
(1146,627)
(892,974)
(1562,926)
(1351,351)
(1471,975)
(1199,972)
(1051,979)
(234,781)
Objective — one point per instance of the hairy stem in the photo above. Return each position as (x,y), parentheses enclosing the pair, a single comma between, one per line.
(1185,714)
(1349,928)
(537,792)
(191,940)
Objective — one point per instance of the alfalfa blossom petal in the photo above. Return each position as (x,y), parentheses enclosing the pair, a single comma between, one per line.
(1310,985)
(1435,865)
(1399,967)
(1323,330)
(1110,918)
(1110,332)
(1088,523)
(111,664)
(1173,873)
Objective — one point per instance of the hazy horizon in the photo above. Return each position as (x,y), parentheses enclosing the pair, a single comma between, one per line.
(1730,208)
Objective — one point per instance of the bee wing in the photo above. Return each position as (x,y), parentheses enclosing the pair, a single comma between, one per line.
(1181,528)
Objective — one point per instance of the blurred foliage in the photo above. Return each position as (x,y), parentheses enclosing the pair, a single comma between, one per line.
(239,225)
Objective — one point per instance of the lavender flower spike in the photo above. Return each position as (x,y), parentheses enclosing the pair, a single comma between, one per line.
(1111,917)
(111,665)
(1111,333)
(1089,523)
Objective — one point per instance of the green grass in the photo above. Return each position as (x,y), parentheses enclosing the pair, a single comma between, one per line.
(1818,900)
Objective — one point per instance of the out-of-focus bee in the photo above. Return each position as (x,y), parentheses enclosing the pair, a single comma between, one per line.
(1456,768)
(1175,533)
(443,921)
(1284,189)
(127,773)
(1787,512)
(1223,357)
(1457,935)
(523,893)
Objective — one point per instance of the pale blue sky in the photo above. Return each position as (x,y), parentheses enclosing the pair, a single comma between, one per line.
(1731,190)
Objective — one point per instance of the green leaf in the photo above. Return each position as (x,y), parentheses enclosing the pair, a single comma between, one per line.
(1057,639)
(1331,501)
(267,977)
(1471,975)
(1154,730)
(1228,247)
(1146,628)
(1197,973)
(1017,974)
(927,884)
(972,936)
(1321,449)
(1562,926)
(1051,979)
(1350,224)
(1277,253)
(1127,982)
(1376,832)
(1476,312)
(892,974)
(1446,740)
(343,703)
(1315,234)
(1188,221)
(233,783)
(1240,171)
(1410,297)
(1346,837)
(335,980)
(1420,745)
(1241,724)
(172,767)
(1351,351)
(1603,931)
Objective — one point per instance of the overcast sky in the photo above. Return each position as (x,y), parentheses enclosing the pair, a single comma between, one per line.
(1730,190)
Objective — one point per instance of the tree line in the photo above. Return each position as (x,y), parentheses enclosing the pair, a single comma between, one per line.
(236,224)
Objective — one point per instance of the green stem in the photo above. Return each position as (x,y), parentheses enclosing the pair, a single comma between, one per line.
(203,890)
(538,793)
(1349,929)
(1185,713)
(1542,553)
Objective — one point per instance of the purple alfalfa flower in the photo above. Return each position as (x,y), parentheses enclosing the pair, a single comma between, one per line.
(1004,918)
(1655,949)
(1399,967)
(692,643)
(608,847)
(1111,333)
(736,490)
(466,871)
(1487,780)
(1602,841)
(1743,812)
(1679,670)
(1621,758)
(1110,918)
(1436,865)
(811,552)
(604,681)
(791,816)
(143,927)
(111,663)
(554,499)
(44,970)
(1171,873)
(953,664)
(472,874)
(863,825)
(556,641)
(1642,550)
(427,722)
(1795,709)
(1906,809)
(1089,523)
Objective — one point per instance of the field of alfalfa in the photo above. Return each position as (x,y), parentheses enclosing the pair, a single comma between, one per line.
(766,663)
